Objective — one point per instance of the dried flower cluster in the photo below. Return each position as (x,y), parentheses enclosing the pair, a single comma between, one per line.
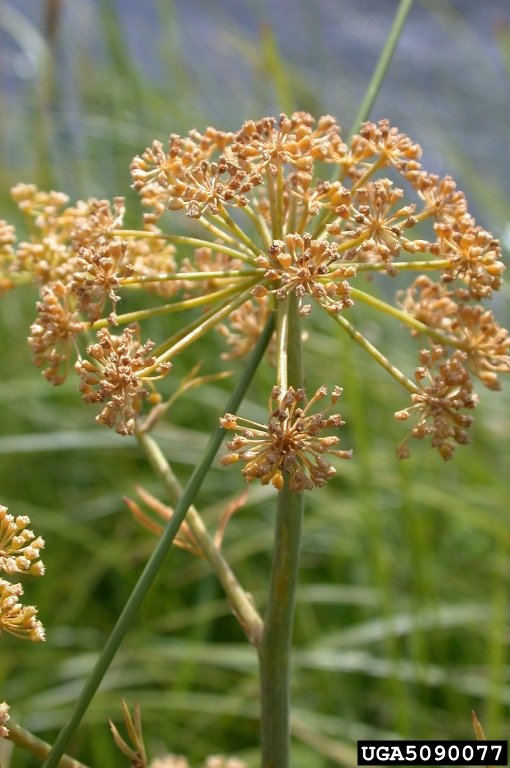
(266,225)
(290,442)
(120,369)
(19,553)
(438,404)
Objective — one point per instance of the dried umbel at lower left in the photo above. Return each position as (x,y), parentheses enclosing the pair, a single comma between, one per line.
(19,554)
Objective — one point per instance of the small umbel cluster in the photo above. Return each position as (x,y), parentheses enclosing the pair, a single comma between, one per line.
(290,442)
(259,225)
(443,395)
(120,370)
(19,553)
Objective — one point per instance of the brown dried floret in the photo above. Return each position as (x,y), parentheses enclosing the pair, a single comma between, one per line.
(485,342)
(305,266)
(265,143)
(52,334)
(245,325)
(474,256)
(16,619)
(430,303)
(99,277)
(290,442)
(442,198)
(19,548)
(95,219)
(390,146)
(120,368)
(378,226)
(440,401)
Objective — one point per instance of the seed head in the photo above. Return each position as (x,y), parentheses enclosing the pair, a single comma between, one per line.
(443,396)
(16,619)
(290,442)
(120,368)
(19,549)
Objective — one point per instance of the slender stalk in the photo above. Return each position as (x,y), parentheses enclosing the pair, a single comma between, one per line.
(157,557)
(375,83)
(37,747)
(193,276)
(402,266)
(238,232)
(242,606)
(382,67)
(439,336)
(275,648)
(374,352)
(184,239)
(200,330)
(260,225)
(177,306)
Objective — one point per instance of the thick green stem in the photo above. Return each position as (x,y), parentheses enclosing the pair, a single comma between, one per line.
(275,648)
(157,557)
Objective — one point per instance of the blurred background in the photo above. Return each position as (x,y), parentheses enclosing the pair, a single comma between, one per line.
(402,616)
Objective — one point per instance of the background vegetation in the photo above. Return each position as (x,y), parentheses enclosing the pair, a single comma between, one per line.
(402,616)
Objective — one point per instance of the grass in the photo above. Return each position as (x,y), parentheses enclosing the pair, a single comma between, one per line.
(401,621)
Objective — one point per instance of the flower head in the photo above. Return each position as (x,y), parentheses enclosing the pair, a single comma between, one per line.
(19,548)
(99,277)
(52,334)
(16,619)
(120,369)
(290,442)
(439,402)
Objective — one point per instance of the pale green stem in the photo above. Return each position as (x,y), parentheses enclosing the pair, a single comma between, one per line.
(266,239)
(282,343)
(178,306)
(260,225)
(183,332)
(156,559)
(182,239)
(402,266)
(202,328)
(376,82)
(442,338)
(36,747)
(382,67)
(279,203)
(242,606)
(220,232)
(374,352)
(275,648)
(192,276)
(272,203)
(238,232)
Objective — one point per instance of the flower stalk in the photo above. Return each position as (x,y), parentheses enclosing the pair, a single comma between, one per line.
(275,648)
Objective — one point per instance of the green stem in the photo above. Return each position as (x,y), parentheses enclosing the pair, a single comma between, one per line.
(158,555)
(184,239)
(242,607)
(37,747)
(199,331)
(439,336)
(275,648)
(374,352)
(382,67)
(177,306)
